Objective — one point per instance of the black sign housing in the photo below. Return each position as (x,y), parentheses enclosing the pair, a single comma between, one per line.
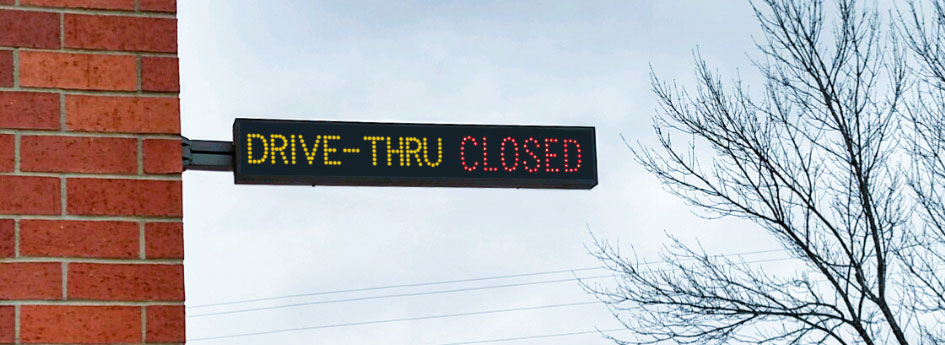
(400,154)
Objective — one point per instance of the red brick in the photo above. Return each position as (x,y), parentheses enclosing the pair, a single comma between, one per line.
(7,2)
(7,153)
(29,195)
(29,110)
(78,154)
(80,324)
(165,324)
(123,114)
(7,324)
(128,5)
(126,282)
(162,156)
(6,68)
(159,5)
(7,238)
(164,240)
(32,280)
(160,74)
(29,29)
(85,239)
(121,33)
(108,197)
(78,71)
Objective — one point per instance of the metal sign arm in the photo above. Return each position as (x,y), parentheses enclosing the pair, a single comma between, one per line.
(208,155)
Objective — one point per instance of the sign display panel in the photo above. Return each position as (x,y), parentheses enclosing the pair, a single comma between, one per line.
(399,154)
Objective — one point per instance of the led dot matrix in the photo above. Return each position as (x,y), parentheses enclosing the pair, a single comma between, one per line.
(515,150)
(439,153)
(537,166)
(336,152)
(310,156)
(462,153)
(374,140)
(549,155)
(281,150)
(249,148)
(577,159)
(326,150)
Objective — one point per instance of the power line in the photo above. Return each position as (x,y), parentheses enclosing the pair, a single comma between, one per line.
(535,337)
(518,275)
(437,317)
(393,286)
(422,293)
(396,320)
(393,296)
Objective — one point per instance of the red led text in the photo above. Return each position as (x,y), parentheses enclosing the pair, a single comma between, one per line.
(551,155)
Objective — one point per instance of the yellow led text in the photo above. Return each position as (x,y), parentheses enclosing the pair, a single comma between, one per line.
(408,150)
(326,150)
(439,153)
(249,148)
(283,149)
(278,149)
(277,145)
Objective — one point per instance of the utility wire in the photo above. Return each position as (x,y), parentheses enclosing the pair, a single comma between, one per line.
(519,275)
(535,337)
(393,296)
(549,306)
(438,317)
(425,293)
(393,286)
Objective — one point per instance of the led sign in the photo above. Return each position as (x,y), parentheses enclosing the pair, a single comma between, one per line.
(396,154)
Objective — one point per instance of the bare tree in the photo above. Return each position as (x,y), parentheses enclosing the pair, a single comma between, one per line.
(821,159)
(925,258)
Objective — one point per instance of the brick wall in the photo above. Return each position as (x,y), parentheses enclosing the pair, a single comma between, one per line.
(91,247)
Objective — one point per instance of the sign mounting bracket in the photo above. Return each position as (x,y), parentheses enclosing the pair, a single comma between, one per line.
(207,155)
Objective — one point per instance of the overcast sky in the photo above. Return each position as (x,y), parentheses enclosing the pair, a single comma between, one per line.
(479,62)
